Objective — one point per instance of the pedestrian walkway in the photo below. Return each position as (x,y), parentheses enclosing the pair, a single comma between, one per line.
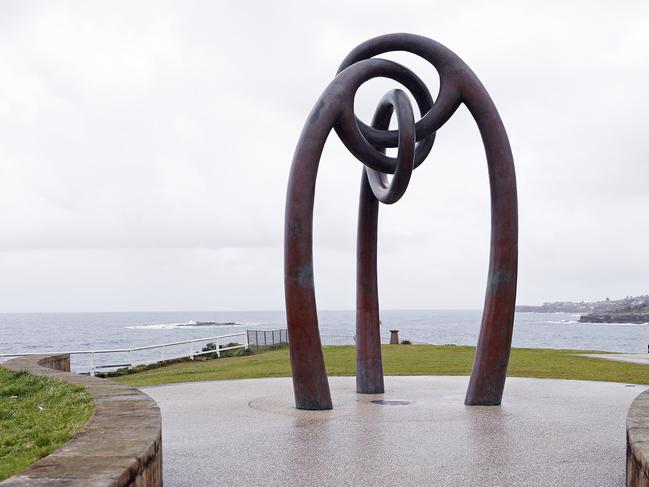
(634,358)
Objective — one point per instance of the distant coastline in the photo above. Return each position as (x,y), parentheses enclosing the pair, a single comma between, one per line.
(632,309)
(636,318)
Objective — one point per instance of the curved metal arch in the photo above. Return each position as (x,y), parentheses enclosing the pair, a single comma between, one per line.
(334,110)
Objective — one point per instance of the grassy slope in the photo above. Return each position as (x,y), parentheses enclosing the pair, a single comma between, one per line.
(402,360)
(37,415)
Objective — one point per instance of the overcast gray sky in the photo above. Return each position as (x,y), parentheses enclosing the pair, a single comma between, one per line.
(145,149)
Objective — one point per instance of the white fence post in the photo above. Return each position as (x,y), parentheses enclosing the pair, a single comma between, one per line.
(92,364)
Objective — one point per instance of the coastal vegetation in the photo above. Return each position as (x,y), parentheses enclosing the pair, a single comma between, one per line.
(37,416)
(205,355)
(401,360)
(631,309)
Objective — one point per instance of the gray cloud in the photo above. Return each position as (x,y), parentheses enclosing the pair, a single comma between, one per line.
(145,150)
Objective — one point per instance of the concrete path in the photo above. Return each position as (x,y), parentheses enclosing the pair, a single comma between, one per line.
(547,432)
(634,358)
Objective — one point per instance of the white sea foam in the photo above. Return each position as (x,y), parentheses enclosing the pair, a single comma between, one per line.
(164,326)
(615,324)
(190,325)
(561,322)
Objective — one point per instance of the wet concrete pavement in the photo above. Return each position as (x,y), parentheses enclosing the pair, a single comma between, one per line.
(547,432)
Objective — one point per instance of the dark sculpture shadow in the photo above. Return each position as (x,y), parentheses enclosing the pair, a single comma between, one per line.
(335,110)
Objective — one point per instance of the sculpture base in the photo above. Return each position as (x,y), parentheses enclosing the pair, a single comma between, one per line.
(546,432)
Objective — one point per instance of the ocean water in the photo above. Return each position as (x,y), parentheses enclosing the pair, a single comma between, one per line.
(35,332)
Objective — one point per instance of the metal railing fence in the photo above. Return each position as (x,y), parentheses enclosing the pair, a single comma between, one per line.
(267,338)
(126,357)
(107,359)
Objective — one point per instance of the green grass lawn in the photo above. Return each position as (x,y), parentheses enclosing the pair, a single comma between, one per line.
(401,360)
(37,415)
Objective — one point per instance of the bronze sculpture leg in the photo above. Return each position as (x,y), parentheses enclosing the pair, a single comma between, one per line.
(369,368)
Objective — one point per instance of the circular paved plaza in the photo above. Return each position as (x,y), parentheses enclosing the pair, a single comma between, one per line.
(247,432)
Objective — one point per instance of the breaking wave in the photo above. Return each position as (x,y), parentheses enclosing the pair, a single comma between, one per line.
(190,325)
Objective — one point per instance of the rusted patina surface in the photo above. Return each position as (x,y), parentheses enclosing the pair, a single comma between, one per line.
(335,110)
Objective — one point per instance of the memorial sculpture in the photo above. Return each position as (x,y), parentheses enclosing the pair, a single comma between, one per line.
(414,141)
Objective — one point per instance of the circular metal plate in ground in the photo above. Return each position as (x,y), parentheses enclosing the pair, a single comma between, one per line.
(391,402)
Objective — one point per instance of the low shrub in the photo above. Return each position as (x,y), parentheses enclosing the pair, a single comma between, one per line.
(237,352)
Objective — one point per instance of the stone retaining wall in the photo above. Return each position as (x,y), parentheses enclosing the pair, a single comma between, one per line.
(637,442)
(55,362)
(120,446)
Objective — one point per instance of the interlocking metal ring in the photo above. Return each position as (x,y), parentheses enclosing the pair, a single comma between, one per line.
(390,192)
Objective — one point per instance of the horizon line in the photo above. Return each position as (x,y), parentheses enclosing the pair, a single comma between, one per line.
(229,311)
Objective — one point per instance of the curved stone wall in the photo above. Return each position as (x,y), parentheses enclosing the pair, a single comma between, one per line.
(637,442)
(120,446)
